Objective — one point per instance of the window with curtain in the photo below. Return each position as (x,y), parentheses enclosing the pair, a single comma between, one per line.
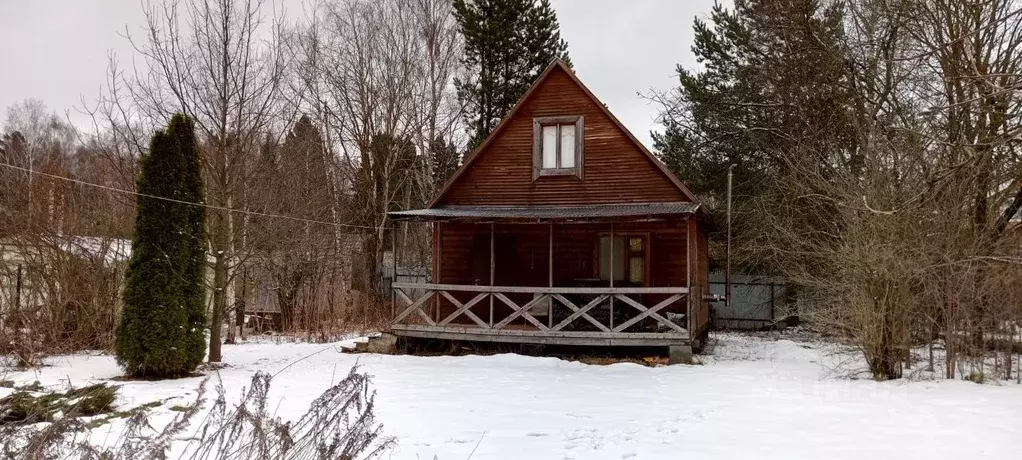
(557,146)
(628,261)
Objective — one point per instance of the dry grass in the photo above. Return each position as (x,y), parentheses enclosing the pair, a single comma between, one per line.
(340,424)
(649,361)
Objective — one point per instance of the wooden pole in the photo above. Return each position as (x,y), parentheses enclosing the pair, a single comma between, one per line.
(688,258)
(493,270)
(17,292)
(393,259)
(727,273)
(550,273)
(439,235)
(692,306)
(612,274)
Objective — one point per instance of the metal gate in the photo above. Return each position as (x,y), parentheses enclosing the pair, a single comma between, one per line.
(754,301)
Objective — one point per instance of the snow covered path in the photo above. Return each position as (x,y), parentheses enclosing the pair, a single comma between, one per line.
(755,398)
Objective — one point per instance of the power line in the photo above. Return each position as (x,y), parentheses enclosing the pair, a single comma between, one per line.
(189,203)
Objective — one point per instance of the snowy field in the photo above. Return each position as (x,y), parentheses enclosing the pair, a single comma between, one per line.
(752,398)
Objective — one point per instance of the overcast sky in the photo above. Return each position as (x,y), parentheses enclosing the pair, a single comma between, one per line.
(56,50)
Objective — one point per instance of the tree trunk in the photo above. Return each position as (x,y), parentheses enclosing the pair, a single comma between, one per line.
(949,351)
(1007,356)
(219,305)
(286,300)
(929,347)
(221,281)
(240,302)
(236,317)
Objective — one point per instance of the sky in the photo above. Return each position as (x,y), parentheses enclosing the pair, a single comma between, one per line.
(57,50)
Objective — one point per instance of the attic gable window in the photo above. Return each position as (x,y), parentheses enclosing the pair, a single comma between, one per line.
(557,146)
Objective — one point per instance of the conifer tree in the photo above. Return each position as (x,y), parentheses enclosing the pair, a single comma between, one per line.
(508,43)
(772,80)
(303,172)
(443,158)
(161,329)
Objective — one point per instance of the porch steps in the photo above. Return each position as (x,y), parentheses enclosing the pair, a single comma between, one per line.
(383,343)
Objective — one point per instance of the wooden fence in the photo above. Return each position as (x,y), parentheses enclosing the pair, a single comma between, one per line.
(622,310)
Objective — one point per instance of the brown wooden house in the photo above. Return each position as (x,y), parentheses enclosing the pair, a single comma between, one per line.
(561,228)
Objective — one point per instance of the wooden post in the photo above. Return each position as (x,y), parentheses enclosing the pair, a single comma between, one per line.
(438,234)
(688,259)
(772,306)
(692,300)
(492,268)
(612,274)
(17,293)
(550,273)
(393,259)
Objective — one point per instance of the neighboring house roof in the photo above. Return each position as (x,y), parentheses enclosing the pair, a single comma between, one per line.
(110,250)
(549,212)
(555,66)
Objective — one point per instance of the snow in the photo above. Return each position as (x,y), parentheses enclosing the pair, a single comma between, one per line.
(110,250)
(754,397)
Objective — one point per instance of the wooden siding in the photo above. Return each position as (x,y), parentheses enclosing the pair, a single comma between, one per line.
(615,169)
(574,252)
(575,257)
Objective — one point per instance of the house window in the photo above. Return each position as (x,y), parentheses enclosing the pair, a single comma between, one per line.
(636,260)
(627,258)
(612,263)
(557,146)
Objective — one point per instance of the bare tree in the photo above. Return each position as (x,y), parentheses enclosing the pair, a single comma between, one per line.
(376,80)
(61,265)
(917,246)
(890,208)
(380,77)
(220,62)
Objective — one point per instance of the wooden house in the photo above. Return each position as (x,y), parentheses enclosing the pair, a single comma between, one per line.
(563,229)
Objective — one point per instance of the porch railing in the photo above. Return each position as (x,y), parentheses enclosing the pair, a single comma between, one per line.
(418,305)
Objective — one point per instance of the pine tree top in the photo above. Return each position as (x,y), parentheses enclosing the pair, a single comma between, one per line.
(508,44)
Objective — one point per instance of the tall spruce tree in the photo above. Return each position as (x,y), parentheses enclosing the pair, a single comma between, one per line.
(772,96)
(508,43)
(383,183)
(443,158)
(772,89)
(292,179)
(161,329)
(304,172)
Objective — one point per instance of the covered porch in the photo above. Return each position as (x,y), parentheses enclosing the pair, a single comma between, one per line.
(600,275)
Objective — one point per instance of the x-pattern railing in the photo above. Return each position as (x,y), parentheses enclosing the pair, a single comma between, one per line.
(422,303)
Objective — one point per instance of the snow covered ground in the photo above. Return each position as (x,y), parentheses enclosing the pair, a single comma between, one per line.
(753,398)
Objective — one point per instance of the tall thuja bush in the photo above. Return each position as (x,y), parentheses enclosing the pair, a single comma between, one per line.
(160,333)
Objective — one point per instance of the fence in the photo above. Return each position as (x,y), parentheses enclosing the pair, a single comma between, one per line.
(570,315)
(754,301)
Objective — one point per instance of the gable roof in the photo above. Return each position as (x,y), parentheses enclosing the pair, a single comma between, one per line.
(558,64)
